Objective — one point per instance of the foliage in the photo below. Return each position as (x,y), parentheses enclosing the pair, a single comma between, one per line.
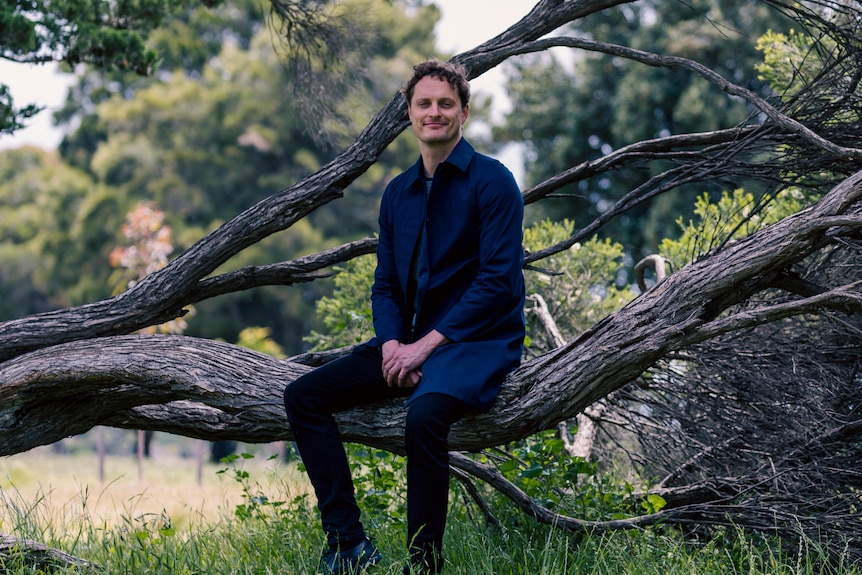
(149,245)
(733,216)
(260,339)
(56,228)
(578,284)
(11,118)
(257,505)
(104,33)
(218,132)
(110,35)
(346,313)
(793,61)
(787,63)
(571,485)
(380,483)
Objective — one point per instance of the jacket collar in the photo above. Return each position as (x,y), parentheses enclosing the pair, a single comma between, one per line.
(460,157)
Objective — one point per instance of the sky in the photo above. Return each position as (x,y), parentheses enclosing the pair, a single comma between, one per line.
(464,24)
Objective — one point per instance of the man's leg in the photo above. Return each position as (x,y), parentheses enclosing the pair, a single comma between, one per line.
(310,402)
(429,419)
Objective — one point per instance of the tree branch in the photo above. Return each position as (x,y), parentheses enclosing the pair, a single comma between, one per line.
(650,59)
(41,556)
(846,299)
(284,273)
(525,503)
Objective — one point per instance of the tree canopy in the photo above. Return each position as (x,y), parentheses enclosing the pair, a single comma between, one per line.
(107,34)
(66,370)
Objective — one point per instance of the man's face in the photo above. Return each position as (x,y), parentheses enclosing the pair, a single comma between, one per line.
(436,112)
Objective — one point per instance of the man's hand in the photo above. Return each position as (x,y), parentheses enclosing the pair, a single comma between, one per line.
(402,363)
(393,371)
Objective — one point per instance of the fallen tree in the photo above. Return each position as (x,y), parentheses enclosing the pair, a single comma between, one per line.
(66,371)
(215,390)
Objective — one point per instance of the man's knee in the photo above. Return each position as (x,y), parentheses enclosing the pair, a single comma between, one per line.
(420,418)
(299,393)
(433,413)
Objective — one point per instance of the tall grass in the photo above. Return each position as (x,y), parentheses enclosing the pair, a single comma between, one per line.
(265,523)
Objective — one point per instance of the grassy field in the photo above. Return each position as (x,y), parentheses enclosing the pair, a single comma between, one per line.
(257,518)
(68,485)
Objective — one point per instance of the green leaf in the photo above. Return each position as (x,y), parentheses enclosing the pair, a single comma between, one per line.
(654,503)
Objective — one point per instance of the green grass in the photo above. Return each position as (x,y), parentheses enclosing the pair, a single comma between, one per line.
(265,523)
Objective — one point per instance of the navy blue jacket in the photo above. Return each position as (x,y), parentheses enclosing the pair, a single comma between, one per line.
(470,286)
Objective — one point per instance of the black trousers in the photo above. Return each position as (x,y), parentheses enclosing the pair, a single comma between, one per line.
(353,380)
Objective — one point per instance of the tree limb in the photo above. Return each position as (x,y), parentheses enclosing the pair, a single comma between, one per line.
(650,59)
(285,273)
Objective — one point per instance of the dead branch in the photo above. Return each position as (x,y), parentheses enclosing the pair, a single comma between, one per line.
(658,264)
(40,556)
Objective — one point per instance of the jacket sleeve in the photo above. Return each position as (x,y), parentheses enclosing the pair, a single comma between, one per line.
(386,296)
(493,302)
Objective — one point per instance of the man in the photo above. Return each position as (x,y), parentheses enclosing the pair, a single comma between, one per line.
(447,303)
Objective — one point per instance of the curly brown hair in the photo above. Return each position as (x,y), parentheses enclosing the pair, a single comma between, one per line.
(455,74)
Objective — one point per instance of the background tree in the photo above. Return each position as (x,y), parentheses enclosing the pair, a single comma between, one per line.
(54,244)
(107,34)
(204,388)
(605,102)
(220,123)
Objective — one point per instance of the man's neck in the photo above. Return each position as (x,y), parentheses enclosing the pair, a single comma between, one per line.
(433,156)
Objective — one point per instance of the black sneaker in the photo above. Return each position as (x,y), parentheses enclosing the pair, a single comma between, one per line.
(350,561)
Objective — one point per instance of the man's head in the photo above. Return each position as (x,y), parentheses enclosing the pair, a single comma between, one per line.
(454,74)
(438,97)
